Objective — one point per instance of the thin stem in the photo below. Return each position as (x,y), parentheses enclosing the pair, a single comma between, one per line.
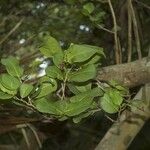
(117,50)
(136,32)
(143,4)
(31,106)
(107,30)
(12,31)
(36,135)
(129,33)
(63,85)
(112,120)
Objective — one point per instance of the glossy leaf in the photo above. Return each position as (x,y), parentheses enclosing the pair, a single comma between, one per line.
(11,92)
(95,92)
(12,66)
(5,95)
(76,89)
(58,59)
(50,46)
(47,106)
(86,73)
(9,82)
(81,53)
(25,89)
(111,101)
(76,108)
(93,60)
(47,88)
(54,72)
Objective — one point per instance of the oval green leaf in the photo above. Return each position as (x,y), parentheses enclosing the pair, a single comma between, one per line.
(9,82)
(12,66)
(25,89)
(86,73)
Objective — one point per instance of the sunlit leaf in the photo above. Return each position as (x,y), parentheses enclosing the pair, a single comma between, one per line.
(86,73)
(25,89)
(12,66)
(58,59)
(50,46)
(11,92)
(111,101)
(95,92)
(47,106)
(47,87)
(81,53)
(5,95)
(76,89)
(9,82)
(54,72)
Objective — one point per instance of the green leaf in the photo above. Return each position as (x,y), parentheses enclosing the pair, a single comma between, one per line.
(83,88)
(89,8)
(86,73)
(58,59)
(25,89)
(93,60)
(115,84)
(47,87)
(47,106)
(50,46)
(76,108)
(81,53)
(54,72)
(77,105)
(78,118)
(137,105)
(12,66)
(76,89)
(5,95)
(95,92)
(111,101)
(98,17)
(11,92)
(9,82)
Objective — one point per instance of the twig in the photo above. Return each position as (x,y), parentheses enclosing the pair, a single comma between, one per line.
(12,31)
(109,118)
(120,52)
(142,4)
(129,33)
(31,106)
(25,137)
(36,135)
(136,32)
(107,30)
(64,84)
(117,50)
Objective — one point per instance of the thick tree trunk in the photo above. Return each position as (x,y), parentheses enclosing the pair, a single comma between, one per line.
(129,74)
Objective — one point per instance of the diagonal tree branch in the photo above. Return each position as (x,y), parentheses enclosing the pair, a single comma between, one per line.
(122,133)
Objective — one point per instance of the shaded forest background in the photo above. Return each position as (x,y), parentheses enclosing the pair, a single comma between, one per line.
(23,24)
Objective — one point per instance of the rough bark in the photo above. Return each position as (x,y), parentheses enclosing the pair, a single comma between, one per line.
(121,134)
(129,74)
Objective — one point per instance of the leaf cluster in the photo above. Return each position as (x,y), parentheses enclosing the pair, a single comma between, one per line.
(68,90)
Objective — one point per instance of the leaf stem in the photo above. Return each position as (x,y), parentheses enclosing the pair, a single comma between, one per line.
(63,85)
(30,105)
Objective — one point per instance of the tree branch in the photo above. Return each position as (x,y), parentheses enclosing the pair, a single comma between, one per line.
(129,74)
(122,133)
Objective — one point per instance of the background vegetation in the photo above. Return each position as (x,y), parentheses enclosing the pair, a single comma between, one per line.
(121,27)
